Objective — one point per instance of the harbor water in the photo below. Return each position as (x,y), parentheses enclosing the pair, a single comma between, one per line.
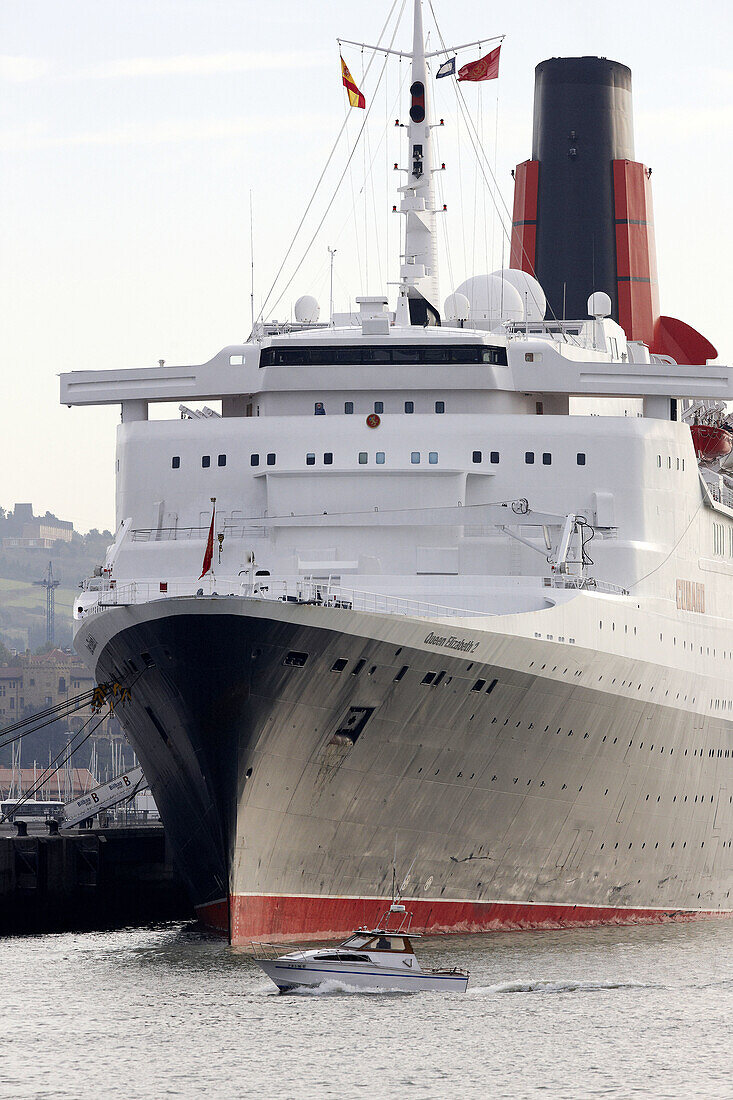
(168,1012)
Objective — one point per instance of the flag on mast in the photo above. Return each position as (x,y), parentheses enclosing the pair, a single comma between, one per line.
(356,99)
(448,68)
(486,68)
(209,552)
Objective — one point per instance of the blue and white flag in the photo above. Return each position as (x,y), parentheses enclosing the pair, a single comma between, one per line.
(448,68)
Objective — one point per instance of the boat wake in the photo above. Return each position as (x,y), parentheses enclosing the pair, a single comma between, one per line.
(331,986)
(557,987)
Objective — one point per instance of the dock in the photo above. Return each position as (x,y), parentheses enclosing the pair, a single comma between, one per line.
(87,879)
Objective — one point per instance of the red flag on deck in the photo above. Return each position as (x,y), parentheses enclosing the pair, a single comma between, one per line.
(486,68)
(209,552)
(356,99)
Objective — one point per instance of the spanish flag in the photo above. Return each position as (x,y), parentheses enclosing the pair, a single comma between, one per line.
(356,99)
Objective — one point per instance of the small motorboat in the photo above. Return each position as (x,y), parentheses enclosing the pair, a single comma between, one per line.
(371,958)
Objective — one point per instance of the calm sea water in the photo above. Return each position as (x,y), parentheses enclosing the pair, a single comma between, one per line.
(166,1012)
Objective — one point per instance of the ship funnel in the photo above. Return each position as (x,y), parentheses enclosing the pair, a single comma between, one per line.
(583,219)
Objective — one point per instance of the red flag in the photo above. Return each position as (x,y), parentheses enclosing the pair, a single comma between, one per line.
(486,68)
(209,552)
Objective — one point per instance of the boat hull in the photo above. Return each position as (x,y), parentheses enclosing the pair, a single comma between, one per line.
(535,800)
(289,974)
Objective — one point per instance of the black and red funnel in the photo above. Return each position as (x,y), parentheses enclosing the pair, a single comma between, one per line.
(583,217)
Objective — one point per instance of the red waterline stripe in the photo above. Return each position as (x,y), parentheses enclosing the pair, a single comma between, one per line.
(304,918)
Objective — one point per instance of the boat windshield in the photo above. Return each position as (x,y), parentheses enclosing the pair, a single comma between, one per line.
(355,941)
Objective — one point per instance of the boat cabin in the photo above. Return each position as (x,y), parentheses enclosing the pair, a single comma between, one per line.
(378,941)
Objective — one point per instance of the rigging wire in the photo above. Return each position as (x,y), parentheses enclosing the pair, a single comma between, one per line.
(52,713)
(49,772)
(481,157)
(323,173)
(350,158)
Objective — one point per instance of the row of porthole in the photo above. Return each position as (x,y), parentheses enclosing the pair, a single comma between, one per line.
(409,407)
(435,678)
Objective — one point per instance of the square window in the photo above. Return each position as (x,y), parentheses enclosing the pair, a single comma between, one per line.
(440,406)
(546,459)
(477,456)
(221,460)
(363,458)
(494,457)
(380,458)
(415,458)
(328,458)
(206,461)
(254,460)
(319,409)
(379,406)
(432,457)
(529,457)
(271,459)
(310,459)
(348,407)
(409,406)
(176,462)
(580,458)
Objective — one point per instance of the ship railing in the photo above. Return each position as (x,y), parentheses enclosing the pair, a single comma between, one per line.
(585,583)
(245,529)
(321,593)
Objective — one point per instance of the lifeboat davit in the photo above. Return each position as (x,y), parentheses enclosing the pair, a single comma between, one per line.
(710,442)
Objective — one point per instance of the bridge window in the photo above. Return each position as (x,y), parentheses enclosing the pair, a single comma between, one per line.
(176,462)
(440,406)
(328,458)
(206,461)
(271,459)
(254,460)
(494,457)
(319,409)
(310,459)
(380,458)
(221,460)
(529,457)
(415,458)
(433,458)
(409,406)
(580,458)
(379,406)
(348,407)
(363,458)
(546,459)
(477,456)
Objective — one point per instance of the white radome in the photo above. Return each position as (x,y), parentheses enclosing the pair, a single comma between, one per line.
(599,305)
(457,307)
(530,291)
(307,310)
(492,299)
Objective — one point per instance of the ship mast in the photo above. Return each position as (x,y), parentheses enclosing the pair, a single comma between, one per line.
(419,293)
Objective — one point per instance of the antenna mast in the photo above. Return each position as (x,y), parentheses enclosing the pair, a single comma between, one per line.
(419,269)
(50,585)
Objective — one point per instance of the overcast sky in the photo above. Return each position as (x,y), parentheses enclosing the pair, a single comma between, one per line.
(132,133)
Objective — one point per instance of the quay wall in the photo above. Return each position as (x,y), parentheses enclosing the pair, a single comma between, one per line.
(90,879)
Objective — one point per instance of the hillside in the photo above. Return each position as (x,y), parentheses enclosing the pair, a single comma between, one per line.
(23,604)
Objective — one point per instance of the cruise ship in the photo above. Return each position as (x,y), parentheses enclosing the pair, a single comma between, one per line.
(443,586)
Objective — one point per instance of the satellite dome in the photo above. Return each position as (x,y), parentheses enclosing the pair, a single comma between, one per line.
(492,300)
(599,305)
(457,307)
(530,291)
(307,310)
